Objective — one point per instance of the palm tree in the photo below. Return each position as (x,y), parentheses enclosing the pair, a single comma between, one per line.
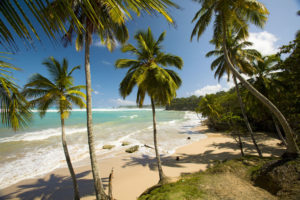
(59,91)
(241,58)
(13,105)
(151,76)
(233,16)
(106,19)
(265,82)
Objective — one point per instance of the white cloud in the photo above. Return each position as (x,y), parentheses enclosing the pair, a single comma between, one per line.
(105,62)
(96,92)
(212,89)
(264,42)
(209,89)
(122,102)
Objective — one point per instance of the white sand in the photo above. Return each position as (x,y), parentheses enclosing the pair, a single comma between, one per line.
(133,174)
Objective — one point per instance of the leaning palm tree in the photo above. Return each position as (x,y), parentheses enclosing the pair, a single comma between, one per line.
(59,91)
(13,105)
(265,81)
(107,20)
(241,58)
(149,73)
(234,16)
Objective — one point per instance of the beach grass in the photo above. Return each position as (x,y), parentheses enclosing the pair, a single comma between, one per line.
(230,179)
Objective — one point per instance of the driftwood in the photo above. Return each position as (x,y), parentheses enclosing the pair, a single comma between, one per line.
(110,195)
(145,145)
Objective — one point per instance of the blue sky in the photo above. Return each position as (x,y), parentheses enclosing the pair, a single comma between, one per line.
(196,75)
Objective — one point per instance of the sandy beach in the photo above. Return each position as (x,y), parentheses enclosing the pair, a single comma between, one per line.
(134,173)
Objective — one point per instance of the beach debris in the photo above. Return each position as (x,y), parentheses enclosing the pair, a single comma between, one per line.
(188,138)
(145,145)
(177,158)
(108,146)
(132,149)
(110,195)
(125,143)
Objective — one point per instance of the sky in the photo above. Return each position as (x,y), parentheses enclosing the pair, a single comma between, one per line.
(197,78)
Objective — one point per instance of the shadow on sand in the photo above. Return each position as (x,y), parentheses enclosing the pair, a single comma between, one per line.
(207,157)
(57,187)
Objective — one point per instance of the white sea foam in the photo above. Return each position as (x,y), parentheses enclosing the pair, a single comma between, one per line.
(38,162)
(41,135)
(129,116)
(44,158)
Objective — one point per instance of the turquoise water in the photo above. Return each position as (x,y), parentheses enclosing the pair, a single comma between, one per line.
(37,150)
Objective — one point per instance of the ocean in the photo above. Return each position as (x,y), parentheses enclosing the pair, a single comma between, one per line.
(37,149)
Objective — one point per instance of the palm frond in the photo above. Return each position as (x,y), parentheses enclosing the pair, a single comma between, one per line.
(170,60)
(124,63)
(127,84)
(76,93)
(73,69)
(76,101)
(204,16)
(130,48)
(39,81)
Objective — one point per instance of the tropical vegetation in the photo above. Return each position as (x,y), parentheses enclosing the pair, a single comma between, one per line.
(273,82)
(270,78)
(241,58)
(232,17)
(57,91)
(184,103)
(150,74)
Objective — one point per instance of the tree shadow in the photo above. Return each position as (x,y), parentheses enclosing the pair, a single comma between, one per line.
(207,158)
(249,147)
(57,187)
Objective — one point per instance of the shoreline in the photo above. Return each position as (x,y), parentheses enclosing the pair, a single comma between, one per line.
(37,151)
(134,173)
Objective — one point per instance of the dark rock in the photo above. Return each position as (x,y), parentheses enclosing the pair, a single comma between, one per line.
(188,138)
(132,149)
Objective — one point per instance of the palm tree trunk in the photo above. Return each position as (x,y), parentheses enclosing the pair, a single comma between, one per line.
(241,145)
(100,194)
(292,148)
(278,131)
(245,117)
(68,159)
(162,177)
